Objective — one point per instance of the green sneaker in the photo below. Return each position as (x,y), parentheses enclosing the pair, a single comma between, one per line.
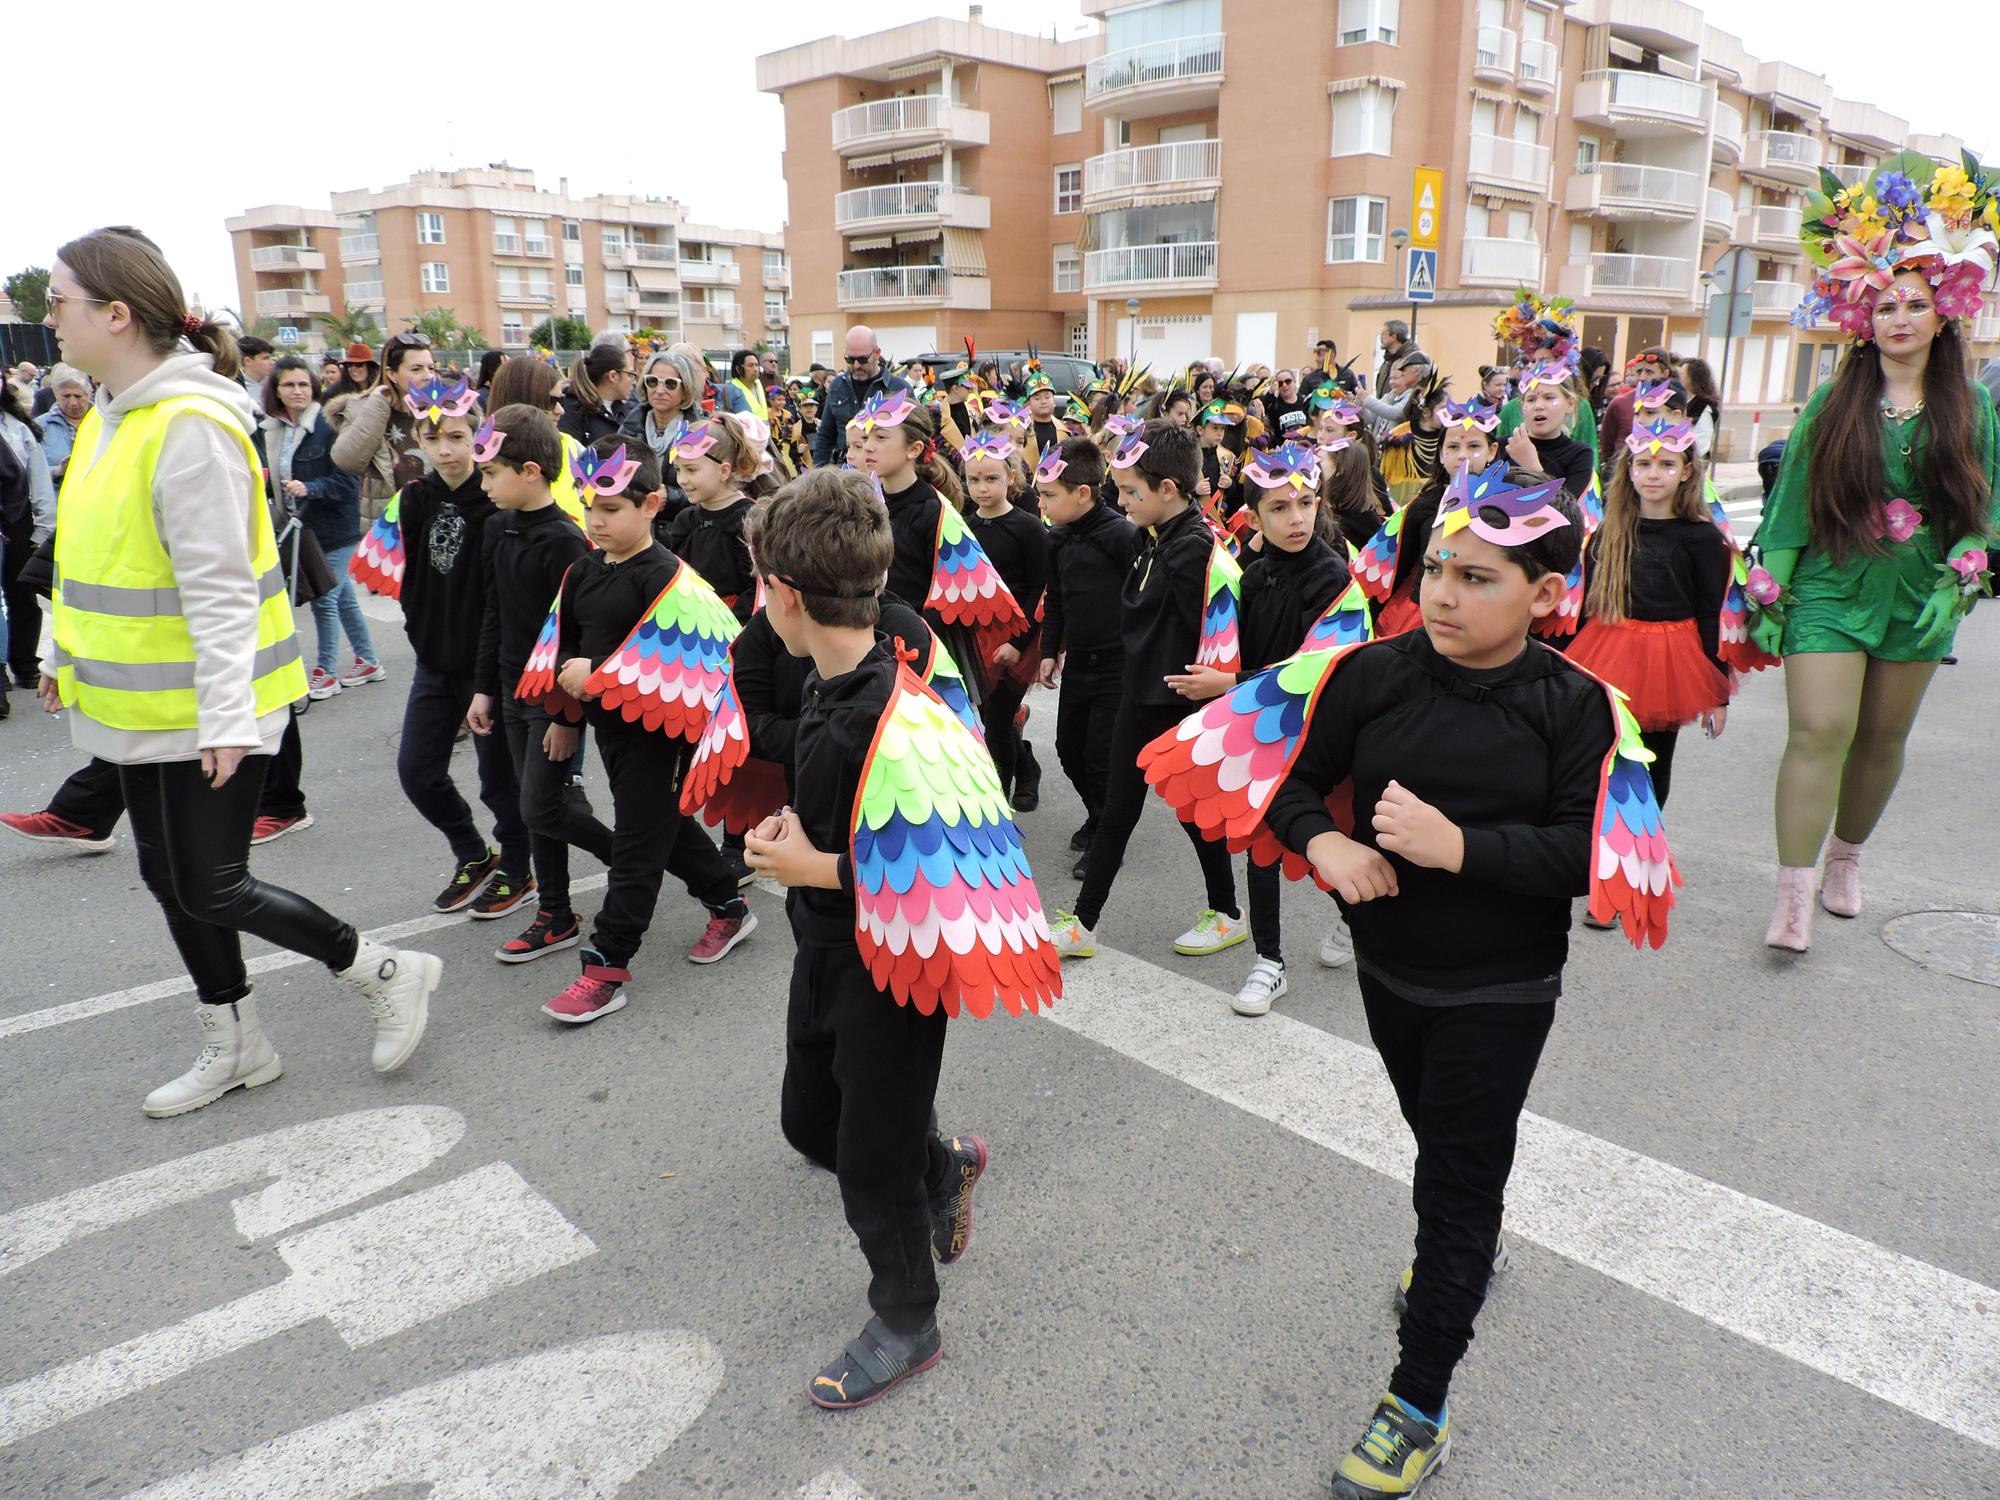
(1398,1452)
(1211,933)
(1500,1259)
(1072,938)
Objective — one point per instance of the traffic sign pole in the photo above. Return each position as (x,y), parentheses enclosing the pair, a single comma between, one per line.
(1426,227)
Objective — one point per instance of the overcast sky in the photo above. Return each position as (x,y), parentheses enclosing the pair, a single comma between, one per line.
(133,122)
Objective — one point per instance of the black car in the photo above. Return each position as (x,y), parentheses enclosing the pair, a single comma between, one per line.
(1065,371)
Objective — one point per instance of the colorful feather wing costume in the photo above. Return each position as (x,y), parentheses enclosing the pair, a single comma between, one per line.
(378,560)
(966,589)
(725,784)
(669,672)
(1220,646)
(538,676)
(1375,564)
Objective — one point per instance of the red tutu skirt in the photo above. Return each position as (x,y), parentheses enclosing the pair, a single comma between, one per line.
(1659,666)
(1402,614)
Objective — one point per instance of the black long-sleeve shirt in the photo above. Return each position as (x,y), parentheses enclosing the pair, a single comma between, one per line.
(1284,594)
(1086,569)
(444,573)
(1163,598)
(913,522)
(712,543)
(1680,571)
(601,604)
(836,725)
(527,553)
(1017,544)
(1513,756)
(1563,457)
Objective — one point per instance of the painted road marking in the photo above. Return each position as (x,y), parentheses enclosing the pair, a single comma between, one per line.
(1893,1326)
(371,1275)
(580,1422)
(320,1166)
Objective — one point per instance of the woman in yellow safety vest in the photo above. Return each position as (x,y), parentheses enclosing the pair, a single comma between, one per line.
(175,650)
(744,395)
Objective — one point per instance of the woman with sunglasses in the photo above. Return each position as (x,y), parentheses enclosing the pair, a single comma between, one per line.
(376,435)
(670,390)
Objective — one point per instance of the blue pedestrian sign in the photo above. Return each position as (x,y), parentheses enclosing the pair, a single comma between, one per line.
(287,334)
(1420,275)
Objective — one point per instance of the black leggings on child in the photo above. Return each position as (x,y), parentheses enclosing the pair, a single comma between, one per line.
(1661,742)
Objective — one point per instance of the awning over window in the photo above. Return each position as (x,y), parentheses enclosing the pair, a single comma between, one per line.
(964,254)
(877,242)
(1372,80)
(918,153)
(919,236)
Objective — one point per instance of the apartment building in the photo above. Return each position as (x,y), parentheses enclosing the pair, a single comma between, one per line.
(1242,172)
(504,254)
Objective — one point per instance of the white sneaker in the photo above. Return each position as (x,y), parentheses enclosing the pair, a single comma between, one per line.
(1263,984)
(1071,937)
(1211,933)
(235,1054)
(397,983)
(322,686)
(1337,947)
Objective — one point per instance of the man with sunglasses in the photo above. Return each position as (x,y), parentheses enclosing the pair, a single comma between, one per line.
(377,437)
(849,391)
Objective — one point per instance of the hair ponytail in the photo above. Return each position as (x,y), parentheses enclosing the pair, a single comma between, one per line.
(920,426)
(119,264)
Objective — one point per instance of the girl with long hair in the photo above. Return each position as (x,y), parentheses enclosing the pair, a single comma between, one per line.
(1349,514)
(899,446)
(1390,563)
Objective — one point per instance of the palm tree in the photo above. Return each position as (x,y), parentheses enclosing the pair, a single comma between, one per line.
(444,330)
(351,325)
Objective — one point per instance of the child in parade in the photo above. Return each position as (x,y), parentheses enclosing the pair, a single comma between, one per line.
(1544,331)
(717,462)
(1388,566)
(1017,545)
(1549,399)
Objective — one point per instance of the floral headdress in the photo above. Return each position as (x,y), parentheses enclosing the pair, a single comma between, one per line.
(1912,215)
(1540,330)
(1504,514)
(1651,439)
(1294,464)
(1473,413)
(433,401)
(988,444)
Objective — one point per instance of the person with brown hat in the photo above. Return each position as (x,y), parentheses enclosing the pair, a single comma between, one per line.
(377,437)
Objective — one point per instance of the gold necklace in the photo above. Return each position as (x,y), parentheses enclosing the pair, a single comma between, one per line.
(1901,413)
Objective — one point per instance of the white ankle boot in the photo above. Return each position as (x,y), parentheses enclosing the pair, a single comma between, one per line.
(397,984)
(1840,886)
(235,1053)
(1791,918)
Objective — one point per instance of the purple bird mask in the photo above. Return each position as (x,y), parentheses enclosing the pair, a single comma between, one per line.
(1294,464)
(604,475)
(1505,515)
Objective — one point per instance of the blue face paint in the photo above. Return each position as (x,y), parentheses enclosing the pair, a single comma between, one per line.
(1444,554)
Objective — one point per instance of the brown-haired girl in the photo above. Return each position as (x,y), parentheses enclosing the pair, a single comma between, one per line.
(717,463)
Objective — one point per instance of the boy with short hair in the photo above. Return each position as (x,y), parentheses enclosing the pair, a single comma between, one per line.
(1162,600)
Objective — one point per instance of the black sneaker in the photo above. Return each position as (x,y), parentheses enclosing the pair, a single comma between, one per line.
(738,866)
(1027,780)
(550,932)
(1082,863)
(874,1364)
(951,1205)
(503,894)
(466,883)
(1080,840)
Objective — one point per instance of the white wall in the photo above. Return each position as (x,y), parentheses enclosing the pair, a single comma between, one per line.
(1167,342)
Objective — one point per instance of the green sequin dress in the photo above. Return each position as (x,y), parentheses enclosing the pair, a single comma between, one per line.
(1868,604)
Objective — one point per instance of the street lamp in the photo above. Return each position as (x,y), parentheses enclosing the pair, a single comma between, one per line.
(1400,238)
(1131,334)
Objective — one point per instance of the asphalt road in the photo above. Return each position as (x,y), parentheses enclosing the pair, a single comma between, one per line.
(1758,1216)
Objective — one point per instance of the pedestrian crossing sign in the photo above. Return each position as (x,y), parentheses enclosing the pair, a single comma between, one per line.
(1420,275)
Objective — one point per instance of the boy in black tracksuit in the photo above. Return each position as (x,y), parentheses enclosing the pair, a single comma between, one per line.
(1090,547)
(861,1071)
(1161,604)
(530,545)
(443,517)
(1016,543)
(1475,756)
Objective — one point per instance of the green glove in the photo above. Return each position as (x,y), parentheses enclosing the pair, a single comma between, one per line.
(1767,633)
(1939,617)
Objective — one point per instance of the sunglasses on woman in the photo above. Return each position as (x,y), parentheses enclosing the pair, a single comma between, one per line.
(662,380)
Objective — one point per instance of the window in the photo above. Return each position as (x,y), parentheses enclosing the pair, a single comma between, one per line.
(1369,21)
(1164,21)
(774,309)
(511,331)
(1361,121)
(573,231)
(430,229)
(1587,151)
(774,265)
(1066,105)
(573,275)
(1069,189)
(614,240)
(1069,269)
(1527,126)
(1354,228)
(435,276)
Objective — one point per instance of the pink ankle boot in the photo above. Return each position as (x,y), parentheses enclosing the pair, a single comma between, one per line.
(1840,887)
(1791,921)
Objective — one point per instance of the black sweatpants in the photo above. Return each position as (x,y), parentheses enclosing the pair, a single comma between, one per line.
(1461,1075)
(194,855)
(1003,740)
(557,813)
(92,797)
(861,1076)
(649,837)
(1092,688)
(1266,885)
(436,707)
(1125,798)
(1661,742)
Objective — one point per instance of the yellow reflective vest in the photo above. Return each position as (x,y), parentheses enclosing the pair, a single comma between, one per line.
(124,655)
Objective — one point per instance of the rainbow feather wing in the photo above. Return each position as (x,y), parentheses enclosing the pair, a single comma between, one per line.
(1220,647)
(538,677)
(725,784)
(966,589)
(946,911)
(378,559)
(1591,503)
(1345,623)
(1632,873)
(941,675)
(1734,645)
(1375,564)
(669,672)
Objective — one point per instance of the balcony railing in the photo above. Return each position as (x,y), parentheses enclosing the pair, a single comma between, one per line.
(1499,158)
(1538,67)
(506,244)
(1499,262)
(711,272)
(1186,59)
(1644,184)
(652,255)
(361,291)
(537,245)
(360,246)
(292,300)
(906,200)
(1652,95)
(894,283)
(1775,296)
(1719,213)
(1786,153)
(1191,261)
(1147,168)
(1639,273)
(539,295)
(1728,129)
(910,115)
(286,258)
(1770,224)
(1493,52)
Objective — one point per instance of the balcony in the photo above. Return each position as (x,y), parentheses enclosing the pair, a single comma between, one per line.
(1772,228)
(1158,78)
(711,272)
(913,286)
(1493,53)
(1539,67)
(909,205)
(1662,25)
(1641,104)
(286,258)
(506,244)
(1728,133)
(619,300)
(1633,190)
(1496,262)
(1177,166)
(913,120)
(1851,173)
(1501,161)
(1185,267)
(639,253)
(1864,124)
(1655,277)
(363,293)
(779,279)
(1774,299)
(537,244)
(1719,216)
(292,301)
(776,317)
(1783,157)
(360,247)
(527,296)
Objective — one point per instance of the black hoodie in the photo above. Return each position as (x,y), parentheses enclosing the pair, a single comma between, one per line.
(601,604)
(527,553)
(1163,597)
(837,723)
(913,522)
(1284,594)
(1087,563)
(712,543)
(444,573)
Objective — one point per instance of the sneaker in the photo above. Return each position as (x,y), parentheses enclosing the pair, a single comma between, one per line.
(1590,920)
(1264,984)
(721,935)
(873,1365)
(1211,933)
(502,894)
(1080,840)
(466,883)
(738,866)
(1500,1262)
(547,933)
(1398,1452)
(1082,866)
(47,828)
(269,830)
(322,685)
(363,671)
(1337,947)
(951,1208)
(1027,780)
(29,682)
(597,991)
(1072,938)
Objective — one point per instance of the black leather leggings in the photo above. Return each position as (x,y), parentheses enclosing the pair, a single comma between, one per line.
(194,855)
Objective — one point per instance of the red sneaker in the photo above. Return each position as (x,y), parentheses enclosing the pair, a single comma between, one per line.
(721,934)
(546,934)
(264,830)
(595,993)
(47,828)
